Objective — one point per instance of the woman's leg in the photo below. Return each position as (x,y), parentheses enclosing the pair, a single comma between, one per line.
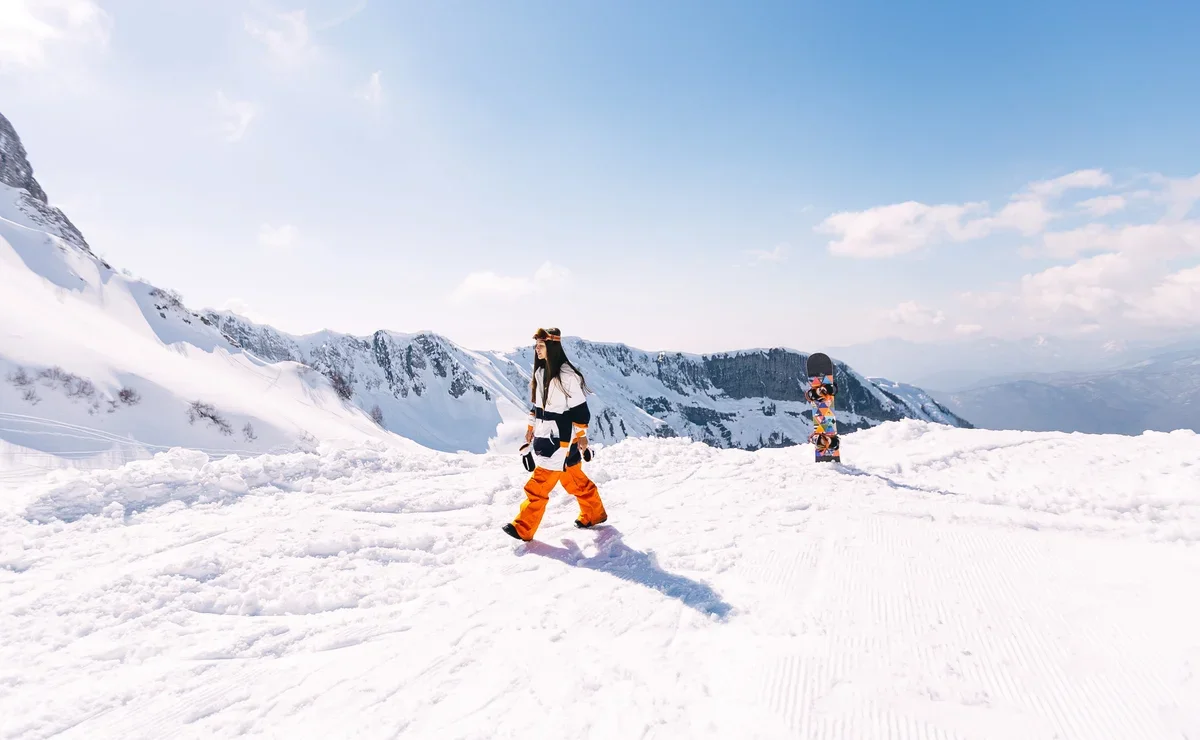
(537,493)
(591,508)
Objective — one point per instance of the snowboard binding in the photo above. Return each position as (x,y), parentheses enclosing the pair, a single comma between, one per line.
(822,392)
(824,442)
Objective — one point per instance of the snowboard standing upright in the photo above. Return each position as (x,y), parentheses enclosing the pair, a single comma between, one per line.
(821,393)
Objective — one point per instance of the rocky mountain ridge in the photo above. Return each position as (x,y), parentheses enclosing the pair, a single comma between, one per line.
(17,172)
(746,399)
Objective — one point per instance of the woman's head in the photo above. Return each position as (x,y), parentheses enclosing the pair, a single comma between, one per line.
(549,354)
(542,338)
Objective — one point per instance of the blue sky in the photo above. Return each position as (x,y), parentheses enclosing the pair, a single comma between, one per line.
(672,175)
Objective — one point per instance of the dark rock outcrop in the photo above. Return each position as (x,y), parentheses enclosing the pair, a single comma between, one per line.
(17,172)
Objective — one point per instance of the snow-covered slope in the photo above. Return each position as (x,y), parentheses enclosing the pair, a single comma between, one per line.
(420,386)
(1161,393)
(93,361)
(945,583)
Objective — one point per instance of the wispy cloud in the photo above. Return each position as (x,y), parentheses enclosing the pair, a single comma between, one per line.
(236,116)
(1173,301)
(33,31)
(1153,241)
(887,231)
(286,36)
(278,237)
(372,92)
(1182,195)
(245,310)
(901,228)
(776,255)
(911,313)
(490,286)
(1104,205)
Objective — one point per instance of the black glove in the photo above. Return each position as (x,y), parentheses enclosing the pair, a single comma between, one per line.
(573,457)
(527,458)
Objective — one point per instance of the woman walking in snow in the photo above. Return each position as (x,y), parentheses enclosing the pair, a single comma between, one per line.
(558,424)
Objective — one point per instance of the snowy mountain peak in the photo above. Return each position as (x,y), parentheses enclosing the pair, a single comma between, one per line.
(16,172)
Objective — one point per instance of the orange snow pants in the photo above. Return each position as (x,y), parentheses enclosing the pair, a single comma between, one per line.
(537,493)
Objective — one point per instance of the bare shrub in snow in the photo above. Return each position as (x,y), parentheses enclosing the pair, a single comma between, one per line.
(129,396)
(341,384)
(248,432)
(377,414)
(72,385)
(80,388)
(20,378)
(54,376)
(201,410)
(30,394)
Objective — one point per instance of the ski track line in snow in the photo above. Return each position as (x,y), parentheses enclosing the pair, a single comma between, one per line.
(820,694)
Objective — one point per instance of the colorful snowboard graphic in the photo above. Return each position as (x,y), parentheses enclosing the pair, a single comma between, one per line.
(821,393)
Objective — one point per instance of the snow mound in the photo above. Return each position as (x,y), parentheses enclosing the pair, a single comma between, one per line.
(944,583)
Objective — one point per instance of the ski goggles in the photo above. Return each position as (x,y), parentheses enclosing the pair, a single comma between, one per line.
(547,335)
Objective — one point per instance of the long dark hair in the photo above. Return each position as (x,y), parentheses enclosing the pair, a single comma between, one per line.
(556,357)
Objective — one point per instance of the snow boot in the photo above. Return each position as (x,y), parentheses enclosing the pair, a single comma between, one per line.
(579,523)
(511,531)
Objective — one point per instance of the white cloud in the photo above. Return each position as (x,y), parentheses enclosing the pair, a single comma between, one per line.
(778,254)
(33,31)
(1078,180)
(285,35)
(1104,205)
(243,309)
(372,92)
(236,116)
(1130,277)
(1182,195)
(1093,286)
(1174,301)
(911,313)
(1149,241)
(278,237)
(490,286)
(887,231)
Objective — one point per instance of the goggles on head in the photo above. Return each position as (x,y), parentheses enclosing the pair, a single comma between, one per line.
(547,335)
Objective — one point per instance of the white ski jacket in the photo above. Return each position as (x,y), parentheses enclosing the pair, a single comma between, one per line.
(559,421)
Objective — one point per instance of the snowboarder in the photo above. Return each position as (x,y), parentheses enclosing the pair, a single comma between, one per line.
(558,424)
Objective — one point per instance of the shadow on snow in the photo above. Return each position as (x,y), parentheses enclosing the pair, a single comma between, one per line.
(618,559)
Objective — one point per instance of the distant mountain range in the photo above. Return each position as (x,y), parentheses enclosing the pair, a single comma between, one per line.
(964,363)
(94,360)
(1160,393)
(435,392)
